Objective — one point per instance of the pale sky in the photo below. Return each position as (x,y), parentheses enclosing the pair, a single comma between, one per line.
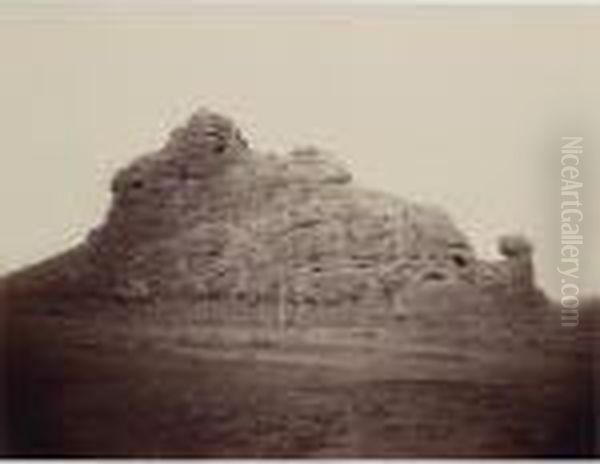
(464,108)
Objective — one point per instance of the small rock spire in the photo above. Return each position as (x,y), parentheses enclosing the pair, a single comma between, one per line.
(518,251)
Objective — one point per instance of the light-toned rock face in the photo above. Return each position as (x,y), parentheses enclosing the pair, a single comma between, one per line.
(206,216)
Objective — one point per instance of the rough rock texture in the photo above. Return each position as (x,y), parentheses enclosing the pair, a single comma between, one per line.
(209,218)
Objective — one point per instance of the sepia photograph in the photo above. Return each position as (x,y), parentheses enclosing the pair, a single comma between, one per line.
(299,230)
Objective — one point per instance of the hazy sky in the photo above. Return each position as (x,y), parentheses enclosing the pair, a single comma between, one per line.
(464,108)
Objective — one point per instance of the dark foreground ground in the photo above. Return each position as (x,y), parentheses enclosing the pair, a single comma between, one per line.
(87,382)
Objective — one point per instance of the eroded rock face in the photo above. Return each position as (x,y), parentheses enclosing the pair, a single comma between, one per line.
(208,217)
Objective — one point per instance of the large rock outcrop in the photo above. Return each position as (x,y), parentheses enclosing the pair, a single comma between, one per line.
(208,217)
(237,303)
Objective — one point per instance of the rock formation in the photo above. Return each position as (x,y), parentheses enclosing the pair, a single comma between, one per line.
(159,334)
(518,252)
(208,217)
